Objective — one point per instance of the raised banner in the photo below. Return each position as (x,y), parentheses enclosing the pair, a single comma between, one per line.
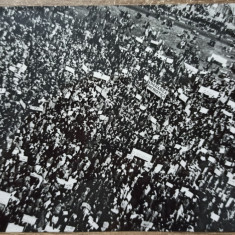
(209,92)
(142,155)
(157,89)
(101,76)
(4,197)
(69,69)
(14,228)
(29,219)
(35,108)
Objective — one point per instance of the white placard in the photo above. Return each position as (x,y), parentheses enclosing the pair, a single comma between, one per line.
(29,219)
(158,168)
(231,104)
(183,97)
(4,197)
(23,158)
(142,155)
(211,159)
(139,97)
(69,229)
(157,89)
(23,104)
(169,184)
(209,92)
(14,228)
(69,69)
(203,110)
(35,108)
(188,194)
(183,163)
(214,216)
(101,76)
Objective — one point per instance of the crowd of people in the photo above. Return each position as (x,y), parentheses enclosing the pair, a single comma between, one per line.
(75,102)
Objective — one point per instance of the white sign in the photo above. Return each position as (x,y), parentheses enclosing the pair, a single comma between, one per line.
(69,229)
(4,197)
(35,108)
(14,228)
(227,113)
(142,155)
(169,184)
(29,219)
(23,104)
(69,69)
(158,168)
(23,158)
(84,67)
(209,92)
(183,97)
(231,104)
(138,39)
(204,110)
(157,89)
(101,76)
(147,224)
(139,97)
(183,163)
(214,216)
(190,68)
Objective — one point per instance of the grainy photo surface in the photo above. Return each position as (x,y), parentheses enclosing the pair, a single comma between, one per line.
(117,118)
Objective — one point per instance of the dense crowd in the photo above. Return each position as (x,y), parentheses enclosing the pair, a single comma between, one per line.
(67,135)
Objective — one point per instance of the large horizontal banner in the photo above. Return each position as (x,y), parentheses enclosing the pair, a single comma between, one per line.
(157,89)
(140,154)
(209,92)
(101,76)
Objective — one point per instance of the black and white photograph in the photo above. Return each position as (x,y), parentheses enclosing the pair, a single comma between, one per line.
(117,118)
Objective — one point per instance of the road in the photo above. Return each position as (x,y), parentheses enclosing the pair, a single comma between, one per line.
(183,25)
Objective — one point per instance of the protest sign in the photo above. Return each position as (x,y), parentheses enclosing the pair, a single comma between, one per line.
(183,97)
(29,219)
(155,137)
(49,229)
(231,182)
(169,184)
(142,107)
(140,40)
(152,119)
(209,92)
(13,69)
(230,200)
(139,97)
(23,158)
(23,104)
(217,172)
(214,216)
(232,129)
(203,110)
(183,163)
(14,228)
(4,197)
(129,156)
(190,68)
(69,229)
(211,159)
(223,98)
(101,76)
(231,104)
(157,89)
(118,153)
(146,224)
(227,113)
(188,194)
(227,163)
(158,168)
(35,108)
(2,90)
(173,169)
(142,155)
(84,67)
(69,69)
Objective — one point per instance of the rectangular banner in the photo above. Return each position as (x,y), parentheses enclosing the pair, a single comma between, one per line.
(157,89)
(101,76)
(209,92)
(142,155)
(35,108)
